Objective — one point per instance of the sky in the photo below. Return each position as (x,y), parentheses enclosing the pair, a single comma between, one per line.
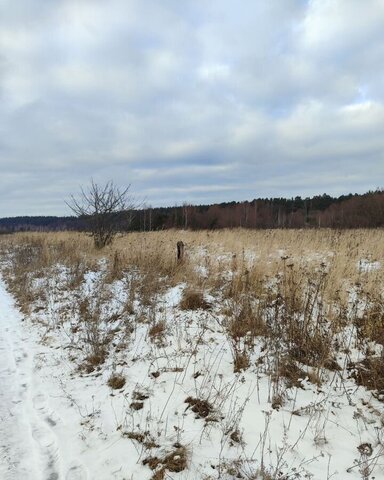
(189,101)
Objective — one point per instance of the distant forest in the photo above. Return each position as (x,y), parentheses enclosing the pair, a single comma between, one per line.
(320,211)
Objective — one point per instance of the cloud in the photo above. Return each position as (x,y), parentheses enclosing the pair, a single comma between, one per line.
(189,101)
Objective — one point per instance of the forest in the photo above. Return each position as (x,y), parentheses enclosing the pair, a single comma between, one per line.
(320,211)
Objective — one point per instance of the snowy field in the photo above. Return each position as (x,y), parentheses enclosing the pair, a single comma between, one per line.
(105,378)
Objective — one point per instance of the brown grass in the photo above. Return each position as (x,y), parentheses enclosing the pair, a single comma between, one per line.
(156,251)
(371,324)
(175,462)
(202,408)
(93,361)
(144,438)
(291,287)
(240,361)
(370,373)
(157,330)
(193,300)
(116,381)
(291,372)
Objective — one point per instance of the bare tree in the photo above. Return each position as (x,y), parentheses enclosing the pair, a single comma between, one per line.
(105,210)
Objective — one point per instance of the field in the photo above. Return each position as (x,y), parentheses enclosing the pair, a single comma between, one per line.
(258,356)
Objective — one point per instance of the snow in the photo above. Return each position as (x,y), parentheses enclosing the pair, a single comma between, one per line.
(18,450)
(60,422)
(366,265)
(35,441)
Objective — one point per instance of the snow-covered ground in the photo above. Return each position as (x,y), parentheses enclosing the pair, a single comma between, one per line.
(19,425)
(35,440)
(182,410)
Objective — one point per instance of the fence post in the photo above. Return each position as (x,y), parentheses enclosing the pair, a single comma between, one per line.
(180,251)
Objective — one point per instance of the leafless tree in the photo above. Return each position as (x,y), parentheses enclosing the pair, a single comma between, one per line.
(104,209)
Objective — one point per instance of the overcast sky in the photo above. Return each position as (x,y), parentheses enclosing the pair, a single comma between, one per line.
(189,100)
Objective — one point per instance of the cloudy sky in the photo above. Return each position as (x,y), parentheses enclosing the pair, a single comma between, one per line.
(189,100)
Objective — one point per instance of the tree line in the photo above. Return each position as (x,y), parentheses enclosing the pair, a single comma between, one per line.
(320,211)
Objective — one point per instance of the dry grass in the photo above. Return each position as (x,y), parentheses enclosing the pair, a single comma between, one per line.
(157,250)
(370,374)
(157,331)
(175,462)
(241,361)
(193,300)
(371,324)
(144,438)
(292,287)
(116,381)
(202,408)
(293,374)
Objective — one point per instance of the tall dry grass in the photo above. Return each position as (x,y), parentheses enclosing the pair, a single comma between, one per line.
(298,287)
(210,255)
(214,252)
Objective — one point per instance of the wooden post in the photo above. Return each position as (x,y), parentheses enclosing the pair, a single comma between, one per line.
(180,251)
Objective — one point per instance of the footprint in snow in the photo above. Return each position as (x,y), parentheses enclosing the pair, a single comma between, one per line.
(8,371)
(53,476)
(48,451)
(20,356)
(77,472)
(43,438)
(51,421)
(40,402)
